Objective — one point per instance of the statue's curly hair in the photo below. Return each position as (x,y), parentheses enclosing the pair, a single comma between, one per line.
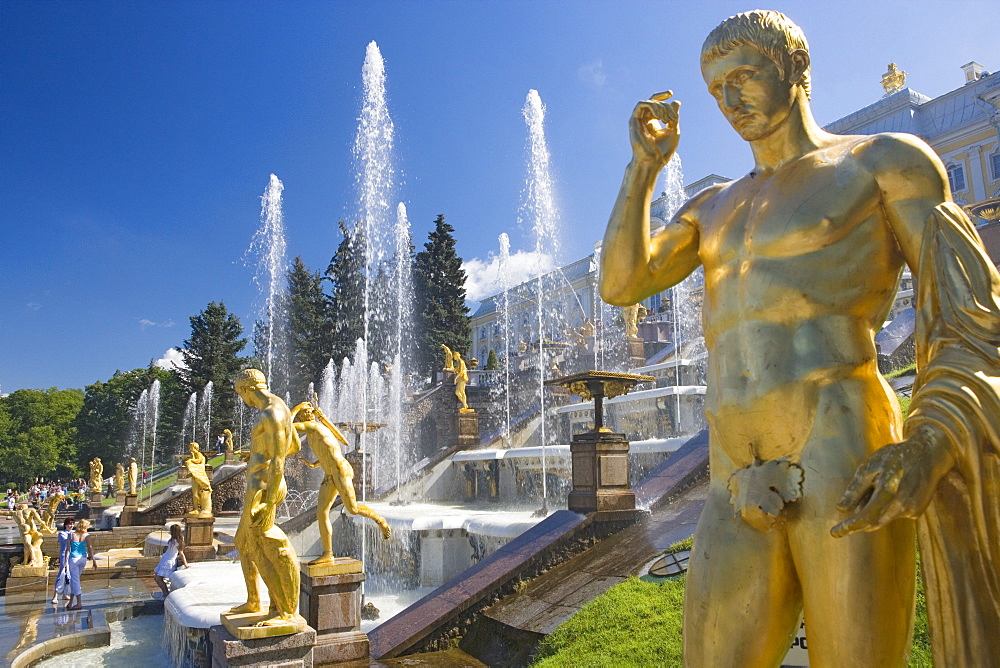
(251,378)
(773,33)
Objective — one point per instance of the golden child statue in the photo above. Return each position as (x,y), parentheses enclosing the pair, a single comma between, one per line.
(325,439)
(133,475)
(802,258)
(264,549)
(48,514)
(201,486)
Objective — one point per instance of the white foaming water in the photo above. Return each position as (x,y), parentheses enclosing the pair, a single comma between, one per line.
(133,643)
(269,249)
(189,425)
(153,413)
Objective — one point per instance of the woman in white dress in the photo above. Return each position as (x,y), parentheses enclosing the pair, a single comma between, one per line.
(168,562)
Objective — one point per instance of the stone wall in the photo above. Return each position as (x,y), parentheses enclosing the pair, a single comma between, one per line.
(233,486)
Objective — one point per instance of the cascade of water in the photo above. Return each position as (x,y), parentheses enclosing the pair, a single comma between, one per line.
(189,421)
(154,416)
(205,410)
(540,208)
(269,248)
(504,268)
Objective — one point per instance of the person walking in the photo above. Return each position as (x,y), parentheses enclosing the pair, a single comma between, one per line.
(62,575)
(168,562)
(78,551)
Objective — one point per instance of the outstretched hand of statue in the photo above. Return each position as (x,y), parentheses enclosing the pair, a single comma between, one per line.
(898,480)
(650,141)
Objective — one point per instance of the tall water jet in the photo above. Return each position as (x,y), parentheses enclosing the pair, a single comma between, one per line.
(205,417)
(401,363)
(189,423)
(540,208)
(153,411)
(142,425)
(269,249)
(328,389)
(504,269)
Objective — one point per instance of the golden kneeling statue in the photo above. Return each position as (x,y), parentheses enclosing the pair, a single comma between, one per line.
(201,486)
(802,257)
(31,527)
(264,549)
(325,440)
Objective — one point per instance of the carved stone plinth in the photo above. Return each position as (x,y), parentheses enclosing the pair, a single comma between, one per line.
(22,571)
(132,500)
(244,626)
(199,538)
(27,579)
(330,600)
(600,473)
(636,351)
(466,430)
(127,517)
(287,649)
(96,499)
(183,475)
(120,498)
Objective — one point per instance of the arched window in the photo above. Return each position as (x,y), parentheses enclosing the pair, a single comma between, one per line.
(956,178)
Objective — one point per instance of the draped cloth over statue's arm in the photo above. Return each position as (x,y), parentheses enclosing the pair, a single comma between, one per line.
(957,392)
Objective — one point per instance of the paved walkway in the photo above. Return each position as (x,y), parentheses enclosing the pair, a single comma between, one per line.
(29,619)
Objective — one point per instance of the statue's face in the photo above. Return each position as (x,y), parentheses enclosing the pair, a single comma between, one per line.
(750,90)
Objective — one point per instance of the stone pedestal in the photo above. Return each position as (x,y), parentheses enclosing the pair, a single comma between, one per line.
(293,650)
(120,498)
(636,351)
(127,517)
(330,600)
(232,458)
(198,538)
(600,473)
(27,578)
(132,500)
(183,475)
(466,429)
(96,499)
(362,473)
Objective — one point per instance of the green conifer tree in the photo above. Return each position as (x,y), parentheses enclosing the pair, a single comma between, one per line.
(441,316)
(347,300)
(310,327)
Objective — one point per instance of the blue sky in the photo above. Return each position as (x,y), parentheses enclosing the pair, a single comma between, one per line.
(137,137)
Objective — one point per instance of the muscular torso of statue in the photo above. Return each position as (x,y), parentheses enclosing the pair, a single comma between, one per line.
(785,355)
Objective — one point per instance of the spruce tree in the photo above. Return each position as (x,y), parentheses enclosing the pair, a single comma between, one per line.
(212,354)
(347,300)
(309,326)
(439,285)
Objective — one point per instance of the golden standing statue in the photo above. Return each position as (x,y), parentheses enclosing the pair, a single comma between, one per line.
(325,439)
(49,512)
(96,475)
(449,359)
(133,475)
(201,486)
(264,549)
(461,380)
(228,440)
(802,258)
(119,478)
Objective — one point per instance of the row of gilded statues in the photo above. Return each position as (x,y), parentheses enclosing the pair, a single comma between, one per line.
(96,479)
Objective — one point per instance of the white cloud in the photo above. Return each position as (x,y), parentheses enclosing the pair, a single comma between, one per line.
(171,359)
(34,306)
(145,322)
(483,277)
(593,73)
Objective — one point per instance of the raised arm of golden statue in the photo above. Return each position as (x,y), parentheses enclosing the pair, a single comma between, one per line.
(802,257)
